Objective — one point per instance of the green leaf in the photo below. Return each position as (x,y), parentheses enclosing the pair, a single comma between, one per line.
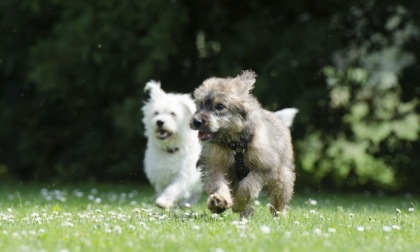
(407,128)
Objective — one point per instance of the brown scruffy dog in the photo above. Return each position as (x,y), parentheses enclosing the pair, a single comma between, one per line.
(245,148)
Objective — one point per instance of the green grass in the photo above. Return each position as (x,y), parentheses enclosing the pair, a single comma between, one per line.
(123,218)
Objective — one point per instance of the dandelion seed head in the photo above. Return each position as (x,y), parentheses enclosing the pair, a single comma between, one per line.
(117,229)
(331,230)
(317,231)
(68,224)
(44,191)
(265,229)
(37,219)
(360,229)
(396,227)
(411,209)
(386,228)
(214,216)
(312,202)
(257,203)
(78,194)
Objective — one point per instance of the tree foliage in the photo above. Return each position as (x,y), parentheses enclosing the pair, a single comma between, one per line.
(72,75)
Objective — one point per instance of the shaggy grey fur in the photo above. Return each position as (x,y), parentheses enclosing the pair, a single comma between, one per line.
(226,113)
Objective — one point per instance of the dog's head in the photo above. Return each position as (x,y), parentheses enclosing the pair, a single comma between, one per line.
(166,114)
(223,106)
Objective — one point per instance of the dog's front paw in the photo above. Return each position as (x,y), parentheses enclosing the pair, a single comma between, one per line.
(218,204)
(164,203)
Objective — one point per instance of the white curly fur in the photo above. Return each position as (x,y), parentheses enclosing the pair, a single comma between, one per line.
(172,149)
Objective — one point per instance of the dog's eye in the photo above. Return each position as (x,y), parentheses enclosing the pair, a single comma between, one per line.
(173,114)
(156,113)
(220,106)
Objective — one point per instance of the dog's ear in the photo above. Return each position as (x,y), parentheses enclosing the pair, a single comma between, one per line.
(189,103)
(152,90)
(247,79)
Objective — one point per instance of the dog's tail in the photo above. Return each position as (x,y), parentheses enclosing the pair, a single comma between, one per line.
(153,90)
(287,115)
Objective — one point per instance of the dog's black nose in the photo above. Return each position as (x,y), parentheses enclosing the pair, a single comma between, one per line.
(159,123)
(197,123)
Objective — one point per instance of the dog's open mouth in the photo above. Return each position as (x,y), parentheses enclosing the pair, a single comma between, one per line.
(204,136)
(163,134)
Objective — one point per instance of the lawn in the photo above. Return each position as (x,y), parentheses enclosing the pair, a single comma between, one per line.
(123,218)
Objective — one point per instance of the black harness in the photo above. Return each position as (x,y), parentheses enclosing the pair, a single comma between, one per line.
(238,149)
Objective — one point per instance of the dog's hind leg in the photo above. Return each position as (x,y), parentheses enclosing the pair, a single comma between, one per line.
(280,193)
(248,212)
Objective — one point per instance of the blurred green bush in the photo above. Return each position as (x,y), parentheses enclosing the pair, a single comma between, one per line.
(72,74)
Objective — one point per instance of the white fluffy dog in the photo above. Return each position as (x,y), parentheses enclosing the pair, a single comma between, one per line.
(173,148)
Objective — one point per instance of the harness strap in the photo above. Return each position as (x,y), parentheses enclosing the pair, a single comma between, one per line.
(238,149)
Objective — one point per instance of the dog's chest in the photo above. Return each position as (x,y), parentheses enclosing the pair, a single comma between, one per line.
(162,168)
(224,159)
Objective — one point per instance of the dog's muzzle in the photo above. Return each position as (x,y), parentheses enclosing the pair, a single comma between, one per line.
(159,123)
(198,122)
(162,133)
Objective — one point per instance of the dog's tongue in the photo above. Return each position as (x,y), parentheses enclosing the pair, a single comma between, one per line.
(163,133)
(203,135)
